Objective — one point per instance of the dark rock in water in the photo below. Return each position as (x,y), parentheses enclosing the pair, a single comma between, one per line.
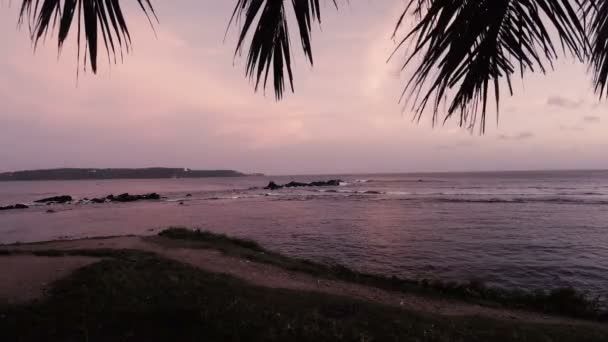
(296,185)
(152,196)
(373,192)
(274,186)
(181,203)
(126,197)
(57,199)
(189,195)
(132,198)
(51,211)
(333,182)
(16,206)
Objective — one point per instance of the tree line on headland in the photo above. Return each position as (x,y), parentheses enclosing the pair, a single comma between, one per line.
(83,174)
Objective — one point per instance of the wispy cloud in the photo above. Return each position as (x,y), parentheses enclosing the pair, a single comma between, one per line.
(458,144)
(519,136)
(571,128)
(563,102)
(591,119)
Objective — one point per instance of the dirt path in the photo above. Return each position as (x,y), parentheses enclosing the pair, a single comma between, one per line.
(255,273)
(26,277)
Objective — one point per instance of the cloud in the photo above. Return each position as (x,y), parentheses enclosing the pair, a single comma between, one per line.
(591,119)
(458,144)
(520,136)
(559,101)
(573,128)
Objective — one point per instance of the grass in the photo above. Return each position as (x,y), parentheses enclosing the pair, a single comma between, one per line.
(140,297)
(95,253)
(561,301)
(211,239)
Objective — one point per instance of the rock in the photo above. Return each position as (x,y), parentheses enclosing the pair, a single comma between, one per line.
(181,203)
(57,199)
(296,185)
(51,211)
(152,196)
(273,186)
(132,198)
(333,182)
(16,206)
(126,197)
(189,195)
(292,184)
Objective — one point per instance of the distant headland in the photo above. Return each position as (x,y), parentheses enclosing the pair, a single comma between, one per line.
(144,173)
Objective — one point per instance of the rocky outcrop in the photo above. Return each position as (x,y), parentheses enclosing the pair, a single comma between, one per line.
(132,198)
(16,206)
(275,186)
(57,199)
(126,197)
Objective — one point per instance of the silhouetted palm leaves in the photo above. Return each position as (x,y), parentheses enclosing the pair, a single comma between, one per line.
(92,16)
(597,29)
(462,51)
(270,45)
(471,46)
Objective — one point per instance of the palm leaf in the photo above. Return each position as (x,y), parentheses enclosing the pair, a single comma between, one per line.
(92,17)
(466,48)
(597,11)
(464,51)
(270,46)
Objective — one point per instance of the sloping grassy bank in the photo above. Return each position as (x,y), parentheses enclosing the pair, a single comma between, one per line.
(132,296)
(562,301)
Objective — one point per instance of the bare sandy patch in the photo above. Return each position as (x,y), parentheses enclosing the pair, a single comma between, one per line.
(26,277)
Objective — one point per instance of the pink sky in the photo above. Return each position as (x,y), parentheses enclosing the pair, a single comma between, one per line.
(181,100)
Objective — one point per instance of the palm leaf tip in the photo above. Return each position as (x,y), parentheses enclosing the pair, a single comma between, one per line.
(598,33)
(270,46)
(92,18)
(469,49)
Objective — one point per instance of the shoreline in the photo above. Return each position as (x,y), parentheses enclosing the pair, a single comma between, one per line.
(569,302)
(170,273)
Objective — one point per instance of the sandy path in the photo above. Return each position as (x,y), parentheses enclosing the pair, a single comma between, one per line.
(274,277)
(26,277)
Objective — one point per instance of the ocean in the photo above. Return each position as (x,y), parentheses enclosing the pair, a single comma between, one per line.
(515,230)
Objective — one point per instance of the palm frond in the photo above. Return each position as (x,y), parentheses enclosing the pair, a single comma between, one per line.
(92,17)
(597,11)
(466,48)
(270,46)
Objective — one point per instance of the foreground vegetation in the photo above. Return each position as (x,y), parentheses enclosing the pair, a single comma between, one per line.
(132,296)
(561,301)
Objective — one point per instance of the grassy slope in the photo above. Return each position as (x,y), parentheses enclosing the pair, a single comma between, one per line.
(141,297)
(565,301)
